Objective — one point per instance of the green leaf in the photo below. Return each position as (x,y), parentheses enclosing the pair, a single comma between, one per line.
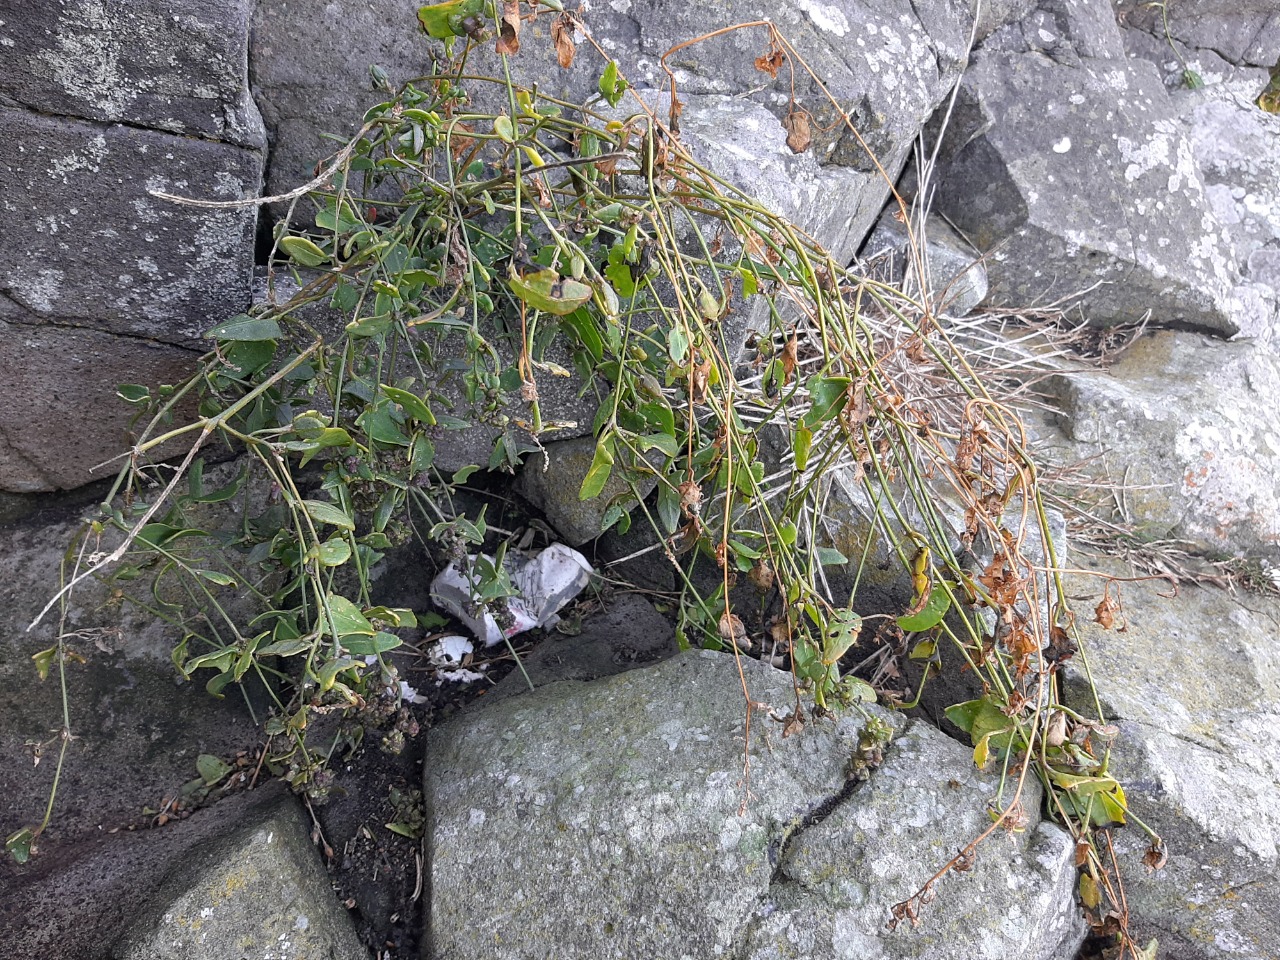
(214,576)
(463,474)
(19,844)
(346,618)
(44,660)
(413,405)
(660,441)
(246,328)
(328,674)
(612,86)
(133,393)
(827,396)
(285,648)
(323,512)
(601,465)
(802,443)
(396,616)
(372,646)
(211,768)
(830,557)
(931,614)
(504,128)
(381,425)
(333,553)
(677,345)
(544,290)
(444,20)
(413,832)
(303,251)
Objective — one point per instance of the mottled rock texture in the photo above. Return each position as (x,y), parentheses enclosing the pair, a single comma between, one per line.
(1192,682)
(103,103)
(622,805)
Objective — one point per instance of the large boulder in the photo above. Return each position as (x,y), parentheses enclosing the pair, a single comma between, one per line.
(1184,426)
(104,104)
(891,65)
(1190,678)
(616,819)
(1030,131)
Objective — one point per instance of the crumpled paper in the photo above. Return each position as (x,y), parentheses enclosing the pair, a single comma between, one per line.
(545,582)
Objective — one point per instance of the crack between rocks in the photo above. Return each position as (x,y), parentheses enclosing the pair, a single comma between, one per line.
(779,850)
(12,104)
(35,321)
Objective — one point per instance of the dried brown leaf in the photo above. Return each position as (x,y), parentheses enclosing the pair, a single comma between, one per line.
(732,630)
(789,359)
(1104,614)
(509,23)
(770,62)
(799,136)
(1156,856)
(562,36)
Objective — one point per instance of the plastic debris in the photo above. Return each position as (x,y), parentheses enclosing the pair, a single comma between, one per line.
(448,654)
(544,582)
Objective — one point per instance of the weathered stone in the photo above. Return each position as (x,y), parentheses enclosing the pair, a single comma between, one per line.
(142,63)
(955,279)
(889,68)
(60,382)
(612,820)
(89,247)
(627,634)
(1068,31)
(1192,680)
(1242,31)
(1139,241)
(259,890)
(551,479)
(78,897)
(1185,425)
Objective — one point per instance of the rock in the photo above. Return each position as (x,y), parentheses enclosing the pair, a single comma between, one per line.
(61,381)
(627,634)
(92,249)
(612,820)
(956,278)
(259,890)
(103,276)
(1141,241)
(1192,681)
(891,70)
(1184,424)
(1242,31)
(551,479)
(138,63)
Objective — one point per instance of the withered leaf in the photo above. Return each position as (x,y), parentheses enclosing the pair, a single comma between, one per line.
(1061,646)
(562,36)
(1104,614)
(799,137)
(1156,856)
(770,62)
(761,576)
(732,630)
(789,359)
(509,40)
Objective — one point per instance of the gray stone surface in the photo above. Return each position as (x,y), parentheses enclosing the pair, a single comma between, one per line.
(102,103)
(137,730)
(891,67)
(551,479)
(612,820)
(1193,682)
(258,892)
(1242,31)
(89,247)
(629,633)
(62,420)
(145,63)
(955,279)
(1186,426)
(1141,239)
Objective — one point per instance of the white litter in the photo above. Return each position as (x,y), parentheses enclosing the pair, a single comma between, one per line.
(545,582)
(449,651)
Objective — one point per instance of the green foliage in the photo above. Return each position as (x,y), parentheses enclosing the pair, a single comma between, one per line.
(455,250)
